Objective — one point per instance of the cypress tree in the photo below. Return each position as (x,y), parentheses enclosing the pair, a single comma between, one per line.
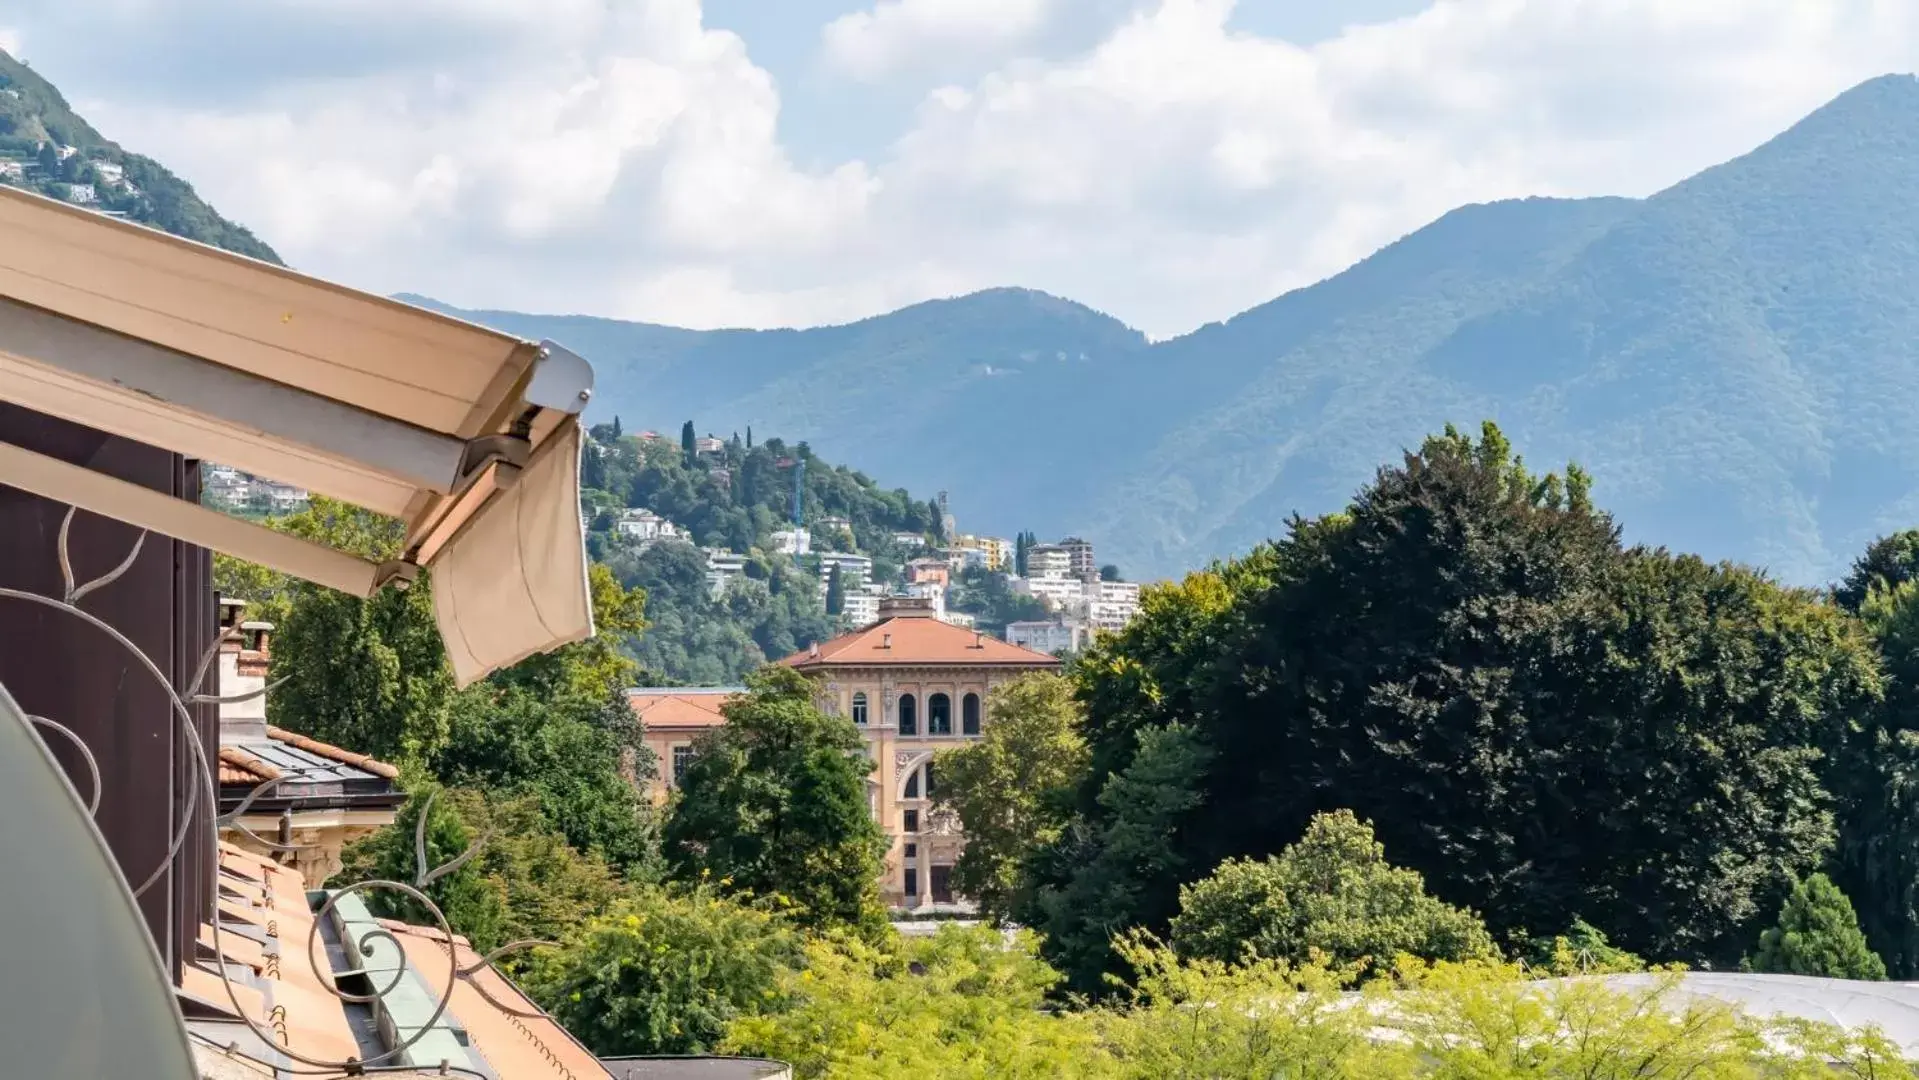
(686,439)
(835,592)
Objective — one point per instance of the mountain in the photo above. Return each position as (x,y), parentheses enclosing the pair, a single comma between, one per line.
(36,123)
(1733,358)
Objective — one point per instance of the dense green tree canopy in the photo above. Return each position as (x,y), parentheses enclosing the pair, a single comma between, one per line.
(774,803)
(664,971)
(1538,721)
(1012,790)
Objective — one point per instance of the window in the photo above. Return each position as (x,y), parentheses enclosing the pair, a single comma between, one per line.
(969,715)
(912,883)
(682,757)
(928,786)
(912,821)
(909,715)
(913,785)
(912,850)
(859,708)
(939,715)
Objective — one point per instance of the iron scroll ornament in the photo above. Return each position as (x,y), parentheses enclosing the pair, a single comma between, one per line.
(204,788)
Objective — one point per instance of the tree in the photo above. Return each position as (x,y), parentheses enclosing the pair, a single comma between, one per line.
(473,902)
(774,801)
(526,883)
(835,592)
(616,427)
(1332,894)
(688,441)
(664,972)
(1013,790)
(961,1003)
(1888,562)
(579,758)
(1109,572)
(1539,721)
(749,436)
(1817,934)
(1091,885)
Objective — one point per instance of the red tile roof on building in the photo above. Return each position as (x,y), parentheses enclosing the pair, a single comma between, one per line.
(680,707)
(917,640)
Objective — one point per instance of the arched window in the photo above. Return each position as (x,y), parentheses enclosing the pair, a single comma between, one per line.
(912,785)
(859,708)
(969,714)
(928,786)
(909,715)
(939,715)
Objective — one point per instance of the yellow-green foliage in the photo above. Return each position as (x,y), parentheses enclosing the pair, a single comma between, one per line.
(969,1003)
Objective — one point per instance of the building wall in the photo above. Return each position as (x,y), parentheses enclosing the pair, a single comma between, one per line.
(896,756)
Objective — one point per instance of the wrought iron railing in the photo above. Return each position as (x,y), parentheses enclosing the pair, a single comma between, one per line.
(203,786)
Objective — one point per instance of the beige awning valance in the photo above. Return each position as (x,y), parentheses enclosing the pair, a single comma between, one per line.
(469,436)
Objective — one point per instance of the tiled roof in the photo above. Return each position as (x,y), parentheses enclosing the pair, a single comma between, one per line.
(334,753)
(683,707)
(266,921)
(240,766)
(917,640)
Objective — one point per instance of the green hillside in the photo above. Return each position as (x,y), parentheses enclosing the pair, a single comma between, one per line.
(1733,356)
(35,122)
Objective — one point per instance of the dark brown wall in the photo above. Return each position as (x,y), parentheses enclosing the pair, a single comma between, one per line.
(58,666)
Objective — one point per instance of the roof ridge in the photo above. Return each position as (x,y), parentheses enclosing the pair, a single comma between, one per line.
(328,750)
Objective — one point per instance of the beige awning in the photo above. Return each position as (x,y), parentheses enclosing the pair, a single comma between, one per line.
(470,436)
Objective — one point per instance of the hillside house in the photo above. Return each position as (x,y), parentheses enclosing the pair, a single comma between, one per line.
(82,194)
(722,569)
(794,541)
(645,526)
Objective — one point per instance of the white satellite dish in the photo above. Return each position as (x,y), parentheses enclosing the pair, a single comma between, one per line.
(88,997)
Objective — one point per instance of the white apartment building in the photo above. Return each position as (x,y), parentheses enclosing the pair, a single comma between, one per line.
(933,591)
(645,526)
(280,497)
(794,541)
(82,193)
(108,171)
(908,540)
(708,446)
(1062,594)
(861,607)
(853,568)
(1081,563)
(722,569)
(1049,562)
(957,618)
(1051,637)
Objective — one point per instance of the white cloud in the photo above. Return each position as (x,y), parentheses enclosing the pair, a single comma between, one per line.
(562,156)
(10,41)
(896,33)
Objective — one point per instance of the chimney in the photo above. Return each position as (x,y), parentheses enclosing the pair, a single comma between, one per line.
(815,651)
(979,640)
(886,641)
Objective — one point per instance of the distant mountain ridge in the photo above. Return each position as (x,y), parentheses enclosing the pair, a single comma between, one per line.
(1735,359)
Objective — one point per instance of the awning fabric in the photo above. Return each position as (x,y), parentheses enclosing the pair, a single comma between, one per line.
(467,435)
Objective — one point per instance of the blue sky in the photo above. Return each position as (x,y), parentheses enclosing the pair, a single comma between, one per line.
(798,162)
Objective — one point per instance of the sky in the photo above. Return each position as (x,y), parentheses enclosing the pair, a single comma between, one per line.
(802,162)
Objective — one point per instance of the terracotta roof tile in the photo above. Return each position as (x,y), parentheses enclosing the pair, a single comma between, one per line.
(315,746)
(917,640)
(680,707)
(239,767)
